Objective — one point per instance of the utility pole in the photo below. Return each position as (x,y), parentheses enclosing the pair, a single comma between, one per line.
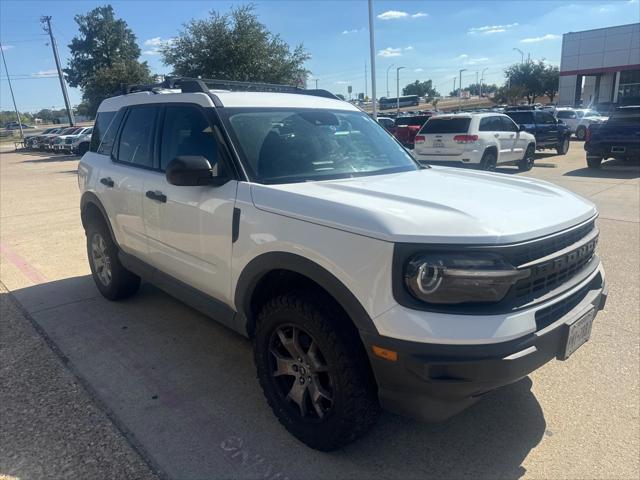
(389,68)
(454,85)
(316,84)
(365,80)
(482,79)
(476,79)
(63,85)
(460,87)
(398,90)
(372,48)
(11,90)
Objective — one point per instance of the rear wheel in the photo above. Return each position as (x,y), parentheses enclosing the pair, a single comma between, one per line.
(526,163)
(314,372)
(594,162)
(563,148)
(489,160)
(112,279)
(581,132)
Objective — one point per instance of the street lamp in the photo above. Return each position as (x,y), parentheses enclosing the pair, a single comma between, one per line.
(389,68)
(521,54)
(482,79)
(372,52)
(398,90)
(460,85)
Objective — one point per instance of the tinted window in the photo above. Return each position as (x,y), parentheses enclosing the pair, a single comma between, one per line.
(103,119)
(490,124)
(136,140)
(544,118)
(624,116)
(521,117)
(566,114)
(508,125)
(411,121)
(447,125)
(109,137)
(186,131)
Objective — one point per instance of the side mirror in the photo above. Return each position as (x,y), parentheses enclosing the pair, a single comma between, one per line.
(522,128)
(559,122)
(192,171)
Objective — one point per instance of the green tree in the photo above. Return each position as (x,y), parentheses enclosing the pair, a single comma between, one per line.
(235,46)
(422,89)
(550,82)
(509,95)
(474,88)
(104,47)
(530,76)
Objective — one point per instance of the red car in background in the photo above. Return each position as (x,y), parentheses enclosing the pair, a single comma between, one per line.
(406,128)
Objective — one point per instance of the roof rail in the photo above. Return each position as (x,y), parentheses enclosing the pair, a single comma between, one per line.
(192,85)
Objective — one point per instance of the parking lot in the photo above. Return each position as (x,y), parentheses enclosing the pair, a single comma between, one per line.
(172,392)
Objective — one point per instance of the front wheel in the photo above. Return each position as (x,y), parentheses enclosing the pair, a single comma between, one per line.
(563,148)
(581,132)
(594,162)
(314,371)
(526,163)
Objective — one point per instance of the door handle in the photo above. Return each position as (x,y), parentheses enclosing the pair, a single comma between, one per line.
(156,195)
(107,182)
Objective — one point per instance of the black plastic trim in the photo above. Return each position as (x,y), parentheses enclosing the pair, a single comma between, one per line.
(257,268)
(91,198)
(235,225)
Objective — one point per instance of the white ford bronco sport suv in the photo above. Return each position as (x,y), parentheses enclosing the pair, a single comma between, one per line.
(362,278)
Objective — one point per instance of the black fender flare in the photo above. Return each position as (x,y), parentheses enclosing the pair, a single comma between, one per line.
(258,267)
(90,198)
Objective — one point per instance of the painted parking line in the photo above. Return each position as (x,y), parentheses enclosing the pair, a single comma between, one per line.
(23,265)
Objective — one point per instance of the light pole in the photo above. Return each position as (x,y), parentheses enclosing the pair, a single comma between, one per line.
(460,86)
(398,90)
(372,52)
(482,79)
(521,54)
(389,68)
(316,84)
(454,85)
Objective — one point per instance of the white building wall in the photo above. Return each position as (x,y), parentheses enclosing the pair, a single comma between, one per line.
(567,90)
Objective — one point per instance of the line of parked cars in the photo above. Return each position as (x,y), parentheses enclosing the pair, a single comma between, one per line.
(70,140)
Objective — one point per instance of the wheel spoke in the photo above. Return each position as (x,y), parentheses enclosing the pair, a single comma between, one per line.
(291,343)
(284,365)
(314,359)
(297,395)
(317,393)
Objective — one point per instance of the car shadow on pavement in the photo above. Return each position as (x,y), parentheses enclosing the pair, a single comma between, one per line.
(48,157)
(615,169)
(183,390)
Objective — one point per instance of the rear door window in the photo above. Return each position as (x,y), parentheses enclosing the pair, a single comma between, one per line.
(544,118)
(508,125)
(490,124)
(135,146)
(446,125)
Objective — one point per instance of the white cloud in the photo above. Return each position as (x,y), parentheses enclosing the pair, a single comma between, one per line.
(341,82)
(348,32)
(7,47)
(410,47)
(46,73)
(419,15)
(548,36)
(418,70)
(466,60)
(390,52)
(489,29)
(156,44)
(392,15)
(463,56)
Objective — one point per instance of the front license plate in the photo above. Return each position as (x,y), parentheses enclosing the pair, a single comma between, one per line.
(579,333)
(438,143)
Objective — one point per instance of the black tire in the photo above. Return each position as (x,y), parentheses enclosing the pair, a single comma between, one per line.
(83,148)
(594,162)
(526,163)
(119,283)
(563,148)
(489,161)
(581,132)
(339,368)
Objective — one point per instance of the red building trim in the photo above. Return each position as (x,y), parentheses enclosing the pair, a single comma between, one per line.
(591,71)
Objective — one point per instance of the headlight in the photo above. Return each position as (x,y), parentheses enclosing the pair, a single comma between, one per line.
(453,278)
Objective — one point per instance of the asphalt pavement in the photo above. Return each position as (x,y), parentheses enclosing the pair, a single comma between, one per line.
(148,386)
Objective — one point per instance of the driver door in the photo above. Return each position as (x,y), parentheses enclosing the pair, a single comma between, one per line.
(189,227)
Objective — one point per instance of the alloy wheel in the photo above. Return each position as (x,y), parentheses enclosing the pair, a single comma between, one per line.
(300,372)
(101,259)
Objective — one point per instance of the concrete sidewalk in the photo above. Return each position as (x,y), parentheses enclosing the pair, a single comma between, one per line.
(50,425)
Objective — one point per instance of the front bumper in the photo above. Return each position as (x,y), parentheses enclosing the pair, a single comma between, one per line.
(432,382)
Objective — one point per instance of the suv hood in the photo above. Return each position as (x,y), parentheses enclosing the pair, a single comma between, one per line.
(436,205)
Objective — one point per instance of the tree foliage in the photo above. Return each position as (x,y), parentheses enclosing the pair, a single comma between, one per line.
(550,82)
(536,78)
(422,89)
(104,55)
(509,95)
(235,46)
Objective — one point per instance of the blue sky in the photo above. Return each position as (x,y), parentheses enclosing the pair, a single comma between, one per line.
(431,39)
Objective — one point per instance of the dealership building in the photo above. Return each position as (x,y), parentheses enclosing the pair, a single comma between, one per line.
(600,67)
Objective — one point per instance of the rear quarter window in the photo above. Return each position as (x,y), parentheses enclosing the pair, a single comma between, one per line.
(446,125)
(103,120)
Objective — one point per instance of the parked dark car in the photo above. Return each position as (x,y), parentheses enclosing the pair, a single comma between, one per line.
(406,128)
(618,137)
(549,131)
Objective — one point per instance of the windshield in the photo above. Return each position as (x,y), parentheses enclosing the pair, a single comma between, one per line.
(297,145)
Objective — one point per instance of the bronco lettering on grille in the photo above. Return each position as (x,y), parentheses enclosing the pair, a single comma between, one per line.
(565,261)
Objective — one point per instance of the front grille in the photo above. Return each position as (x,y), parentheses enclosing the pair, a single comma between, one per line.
(546,316)
(68,141)
(547,246)
(536,286)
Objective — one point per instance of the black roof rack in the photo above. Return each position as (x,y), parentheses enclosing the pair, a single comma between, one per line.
(192,85)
